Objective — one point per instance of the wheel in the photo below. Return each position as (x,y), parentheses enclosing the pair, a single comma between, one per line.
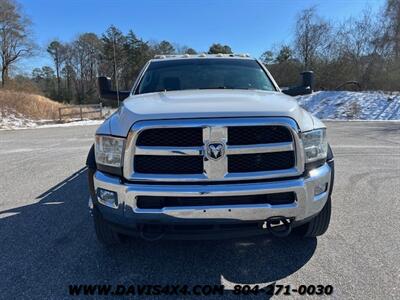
(105,234)
(318,225)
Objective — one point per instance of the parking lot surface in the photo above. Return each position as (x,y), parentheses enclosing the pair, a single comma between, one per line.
(47,240)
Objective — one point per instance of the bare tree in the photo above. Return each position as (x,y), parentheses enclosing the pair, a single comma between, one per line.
(392,15)
(14,36)
(57,52)
(311,36)
(356,36)
(356,47)
(85,61)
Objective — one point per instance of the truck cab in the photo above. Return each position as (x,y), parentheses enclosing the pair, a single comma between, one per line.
(209,146)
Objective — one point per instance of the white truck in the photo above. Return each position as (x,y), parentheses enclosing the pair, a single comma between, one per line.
(208,146)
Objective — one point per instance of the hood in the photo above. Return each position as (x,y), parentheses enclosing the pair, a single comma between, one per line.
(205,104)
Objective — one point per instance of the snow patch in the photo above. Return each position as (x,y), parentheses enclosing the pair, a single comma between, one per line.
(344,105)
(11,120)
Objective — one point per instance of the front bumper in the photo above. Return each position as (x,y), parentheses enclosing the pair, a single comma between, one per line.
(127,214)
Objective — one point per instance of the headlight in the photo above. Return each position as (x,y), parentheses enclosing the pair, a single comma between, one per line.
(109,150)
(315,145)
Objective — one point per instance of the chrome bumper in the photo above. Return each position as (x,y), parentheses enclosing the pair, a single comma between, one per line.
(306,204)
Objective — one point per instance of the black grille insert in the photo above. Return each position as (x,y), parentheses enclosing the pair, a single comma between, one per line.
(260,162)
(154,164)
(247,135)
(155,202)
(179,137)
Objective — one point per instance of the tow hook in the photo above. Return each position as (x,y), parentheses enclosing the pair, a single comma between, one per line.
(151,232)
(279,226)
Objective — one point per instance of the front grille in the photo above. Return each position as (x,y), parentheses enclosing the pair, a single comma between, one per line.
(251,149)
(153,164)
(178,137)
(260,162)
(155,202)
(248,135)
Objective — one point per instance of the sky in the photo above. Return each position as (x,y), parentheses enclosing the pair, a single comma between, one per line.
(251,26)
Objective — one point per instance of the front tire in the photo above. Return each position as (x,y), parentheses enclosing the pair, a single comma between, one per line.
(104,233)
(318,225)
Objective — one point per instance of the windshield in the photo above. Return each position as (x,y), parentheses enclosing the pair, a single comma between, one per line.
(213,73)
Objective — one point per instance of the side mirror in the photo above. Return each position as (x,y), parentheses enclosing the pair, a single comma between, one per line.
(107,93)
(306,87)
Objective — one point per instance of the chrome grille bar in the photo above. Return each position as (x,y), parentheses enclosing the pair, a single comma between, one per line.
(169,151)
(230,150)
(259,148)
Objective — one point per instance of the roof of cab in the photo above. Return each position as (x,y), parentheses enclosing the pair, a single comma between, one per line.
(201,55)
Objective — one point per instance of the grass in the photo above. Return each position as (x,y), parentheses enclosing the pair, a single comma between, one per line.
(31,106)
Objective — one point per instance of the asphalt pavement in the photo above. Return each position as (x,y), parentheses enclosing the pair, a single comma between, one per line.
(47,240)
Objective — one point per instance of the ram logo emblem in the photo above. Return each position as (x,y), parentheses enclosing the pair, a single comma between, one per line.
(215,150)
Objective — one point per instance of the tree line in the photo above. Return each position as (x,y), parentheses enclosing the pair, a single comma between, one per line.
(365,49)
(119,56)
